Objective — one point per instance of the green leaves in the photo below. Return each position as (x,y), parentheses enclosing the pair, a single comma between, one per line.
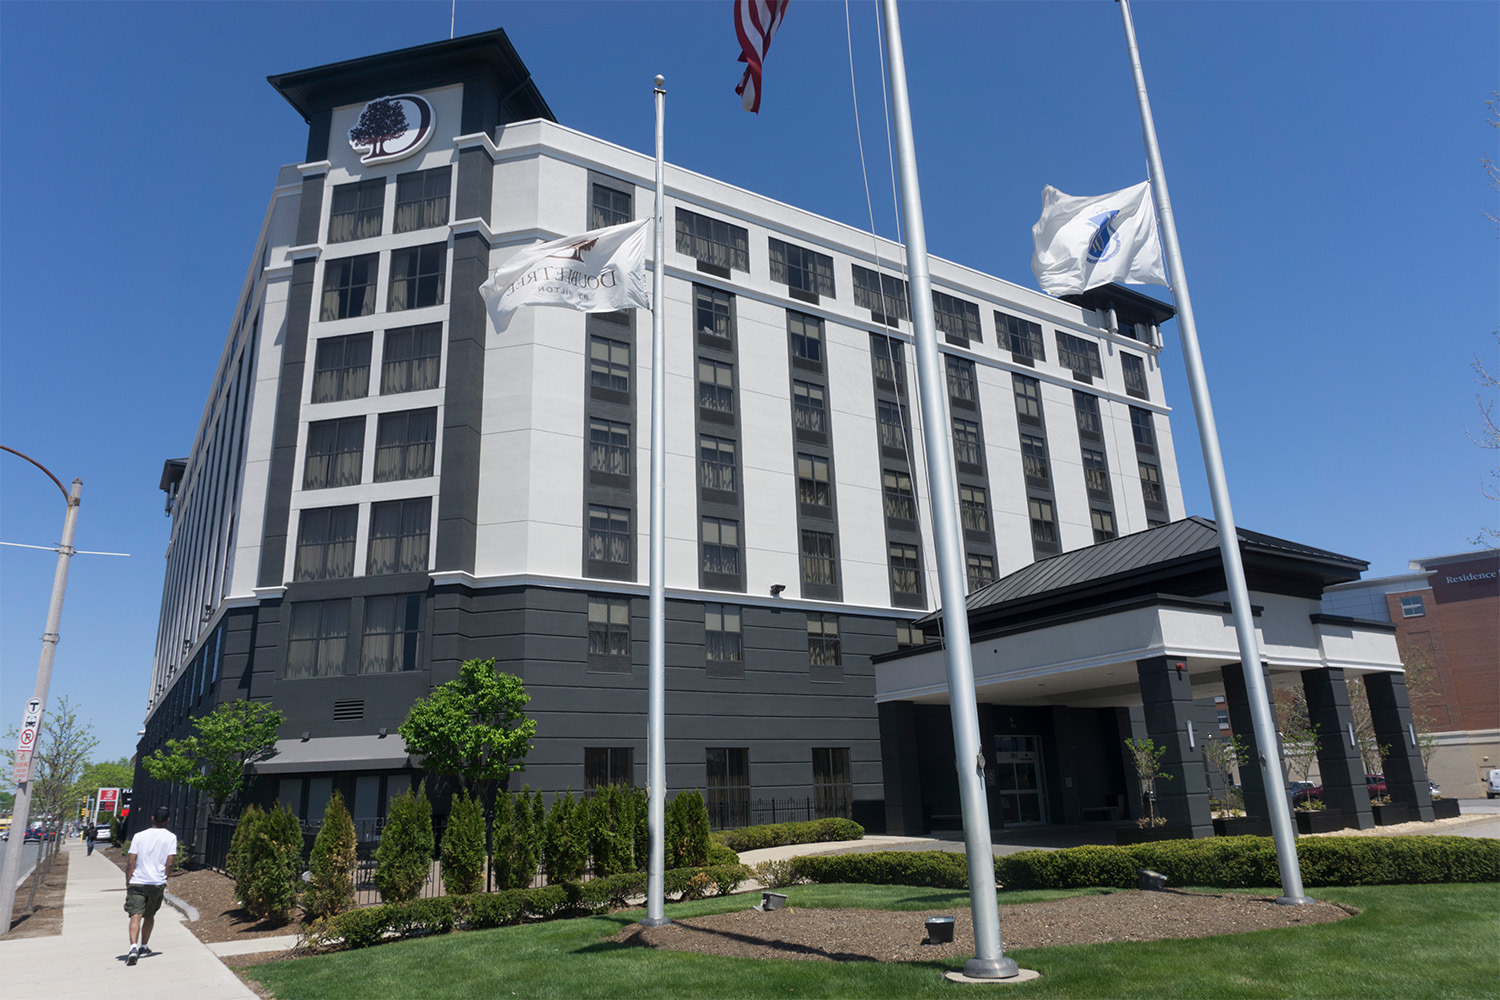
(473,728)
(232,736)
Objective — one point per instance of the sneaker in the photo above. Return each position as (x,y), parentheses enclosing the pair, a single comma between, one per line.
(146,952)
(135,953)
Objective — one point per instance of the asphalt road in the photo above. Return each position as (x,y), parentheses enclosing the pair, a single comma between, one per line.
(28,855)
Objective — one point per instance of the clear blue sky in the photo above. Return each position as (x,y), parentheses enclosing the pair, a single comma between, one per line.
(1323,161)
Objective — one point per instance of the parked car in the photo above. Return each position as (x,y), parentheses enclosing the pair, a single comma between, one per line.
(1492,785)
(1374,784)
(32,834)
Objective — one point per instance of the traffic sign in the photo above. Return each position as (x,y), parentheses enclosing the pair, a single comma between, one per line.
(33,716)
(23,767)
(27,741)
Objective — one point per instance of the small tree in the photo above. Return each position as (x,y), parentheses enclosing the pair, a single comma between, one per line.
(235,862)
(565,840)
(331,888)
(1300,739)
(404,858)
(687,831)
(463,847)
(62,751)
(1146,756)
(503,841)
(270,868)
(230,738)
(1223,756)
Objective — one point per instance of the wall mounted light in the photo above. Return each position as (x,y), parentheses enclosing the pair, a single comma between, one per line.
(777,588)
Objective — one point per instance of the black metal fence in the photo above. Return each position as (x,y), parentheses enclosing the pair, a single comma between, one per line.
(727,813)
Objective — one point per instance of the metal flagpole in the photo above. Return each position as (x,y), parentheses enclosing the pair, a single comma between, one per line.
(988,961)
(656,749)
(1208,437)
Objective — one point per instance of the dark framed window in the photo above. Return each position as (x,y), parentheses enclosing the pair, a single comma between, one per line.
(410,360)
(609,447)
(341,368)
(727,786)
(405,445)
(716,386)
(823,648)
(966,447)
(809,412)
(713,242)
(819,567)
(833,791)
(1412,606)
(716,464)
(974,508)
(1104,524)
(1143,428)
(806,333)
(888,357)
(609,626)
(392,640)
(608,766)
(714,314)
(358,210)
(1034,458)
(1078,355)
(890,422)
(349,287)
(1021,336)
(335,453)
(325,543)
(1090,424)
(1095,472)
(1028,393)
(721,631)
(417,277)
(883,294)
(609,534)
(1043,523)
(609,363)
(399,532)
(608,207)
(813,486)
(1134,367)
(961,380)
(800,269)
(317,639)
(955,317)
(906,570)
(422,199)
(896,488)
(908,634)
(721,546)
(1151,490)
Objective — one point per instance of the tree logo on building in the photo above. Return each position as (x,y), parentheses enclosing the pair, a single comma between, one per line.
(390,128)
(1105,243)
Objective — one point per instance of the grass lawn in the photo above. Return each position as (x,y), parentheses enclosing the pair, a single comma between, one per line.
(1408,942)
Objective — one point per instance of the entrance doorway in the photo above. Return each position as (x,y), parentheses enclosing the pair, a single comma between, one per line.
(1018,780)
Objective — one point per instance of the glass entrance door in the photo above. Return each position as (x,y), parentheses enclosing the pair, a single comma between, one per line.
(1018,780)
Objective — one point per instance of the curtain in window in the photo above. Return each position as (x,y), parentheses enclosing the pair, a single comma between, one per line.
(376,653)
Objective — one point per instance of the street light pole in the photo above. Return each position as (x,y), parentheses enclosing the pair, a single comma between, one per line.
(32,720)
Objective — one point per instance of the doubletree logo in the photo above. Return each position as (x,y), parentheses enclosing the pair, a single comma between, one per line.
(391,128)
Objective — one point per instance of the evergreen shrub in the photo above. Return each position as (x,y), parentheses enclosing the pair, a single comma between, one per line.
(686,830)
(331,887)
(404,858)
(271,866)
(564,840)
(463,847)
(933,869)
(754,838)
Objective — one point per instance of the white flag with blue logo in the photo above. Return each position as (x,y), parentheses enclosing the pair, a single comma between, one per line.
(1082,241)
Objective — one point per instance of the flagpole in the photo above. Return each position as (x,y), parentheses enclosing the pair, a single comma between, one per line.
(988,961)
(1208,437)
(656,759)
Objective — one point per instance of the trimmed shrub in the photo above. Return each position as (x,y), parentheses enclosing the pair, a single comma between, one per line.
(777,874)
(565,840)
(614,890)
(526,851)
(497,909)
(933,869)
(718,854)
(754,838)
(694,883)
(404,858)
(686,830)
(331,887)
(463,847)
(503,839)
(271,866)
(234,862)
(420,917)
(355,929)
(612,816)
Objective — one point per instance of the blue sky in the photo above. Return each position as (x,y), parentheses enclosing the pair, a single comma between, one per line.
(1323,160)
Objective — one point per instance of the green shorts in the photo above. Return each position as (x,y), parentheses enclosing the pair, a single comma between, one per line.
(144,900)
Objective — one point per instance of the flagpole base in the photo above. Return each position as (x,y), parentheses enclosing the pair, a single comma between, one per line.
(655,921)
(991,968)
(1295,901)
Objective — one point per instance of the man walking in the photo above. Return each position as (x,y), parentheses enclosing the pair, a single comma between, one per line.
(153,852)
(90,834)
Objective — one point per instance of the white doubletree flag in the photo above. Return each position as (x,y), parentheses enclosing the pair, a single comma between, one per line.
(602,270)
(1083,241)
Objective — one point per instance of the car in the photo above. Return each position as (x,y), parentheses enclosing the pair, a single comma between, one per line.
(32,834)
(1492,784)
(1374,784)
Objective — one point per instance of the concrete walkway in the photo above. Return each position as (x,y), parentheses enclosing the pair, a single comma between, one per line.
(87,960)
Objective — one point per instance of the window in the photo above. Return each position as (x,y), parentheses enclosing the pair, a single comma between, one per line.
(358,209)
(335,452)
(712,242)
(411,356)
(1079,355)
(883,294)
(399,531)
(716,386)
(808,410)
(1095,472)
(609,626)
(1144,428)
(1151,489)
(813,488)
(714,318)
(609,363)
(608,766)
(973,508)
(609,207)
(823,640)
(1412,606)
(393,634)
(721,546)
(1028,399)
(721,633)
(832,790)
(906,570)
(317,637)
(818,566)
(801,270)
(981,570)
(349,287)
(908,634)
(422,199)
(1134,367)
(609,447)
(716,464)
(417,277)
(898,497)
(966,447)
(806,333)
(1104,525)
(609,534)
(405,445)
(325,543)
(1034,458)
(1089,423)
(728,786)
(890,364)
(1022,337)
(341,368)
(955,317)
(961,380)
(890,421)
(1043,523)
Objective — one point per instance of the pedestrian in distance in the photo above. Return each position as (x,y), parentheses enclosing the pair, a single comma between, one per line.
(90,834)
(153,852)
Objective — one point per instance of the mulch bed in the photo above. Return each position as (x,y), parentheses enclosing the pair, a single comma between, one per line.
(220,917)
(46,915)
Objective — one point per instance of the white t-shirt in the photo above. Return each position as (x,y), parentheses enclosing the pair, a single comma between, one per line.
(151,848)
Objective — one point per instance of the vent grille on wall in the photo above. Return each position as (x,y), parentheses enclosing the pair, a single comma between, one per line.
(349,711)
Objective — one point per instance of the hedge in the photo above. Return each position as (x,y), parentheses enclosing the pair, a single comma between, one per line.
(933,869)
(754,838)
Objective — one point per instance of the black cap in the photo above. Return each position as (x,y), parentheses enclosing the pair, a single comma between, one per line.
(161,814)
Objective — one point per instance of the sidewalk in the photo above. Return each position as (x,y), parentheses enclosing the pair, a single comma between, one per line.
(87,960)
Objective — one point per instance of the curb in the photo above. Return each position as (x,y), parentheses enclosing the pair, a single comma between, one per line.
(182,905)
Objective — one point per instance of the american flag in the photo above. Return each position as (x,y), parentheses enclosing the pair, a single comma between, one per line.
(755,21)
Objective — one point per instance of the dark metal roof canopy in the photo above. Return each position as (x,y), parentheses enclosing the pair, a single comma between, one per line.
(1130,305)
